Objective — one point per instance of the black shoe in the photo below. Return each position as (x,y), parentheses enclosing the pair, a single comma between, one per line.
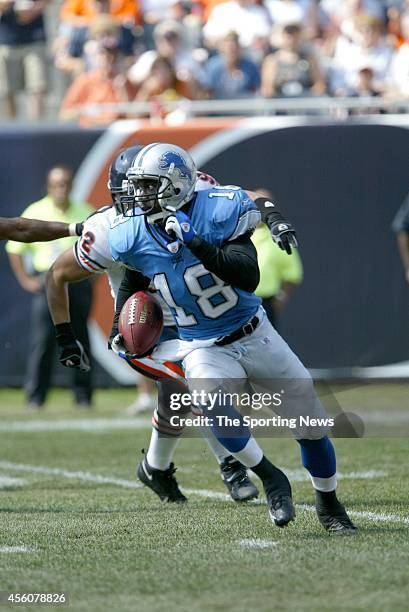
(162,482)
(280,508)
(234,476)
(333,517)
(83,404)
(34,405)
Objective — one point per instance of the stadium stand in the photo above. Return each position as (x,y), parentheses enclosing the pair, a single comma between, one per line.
(303,49)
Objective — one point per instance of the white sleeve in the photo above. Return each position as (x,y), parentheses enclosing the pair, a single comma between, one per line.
(205,181)
(92,249)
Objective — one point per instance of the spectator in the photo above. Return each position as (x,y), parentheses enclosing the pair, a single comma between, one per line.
(287,12)
(169,43)
(77,56)
(79,19)
(104,85)
(343,15)
(23,54)
(369,50)
(81,13)
(293,70)
(163,84)
(400,226)
(56,206)
(229,74)
(365,85)
(250,21)
(156,11)
(280,273)
(399,75)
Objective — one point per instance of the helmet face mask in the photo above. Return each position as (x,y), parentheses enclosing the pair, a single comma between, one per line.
(118,184)
(122,198)
(163,177)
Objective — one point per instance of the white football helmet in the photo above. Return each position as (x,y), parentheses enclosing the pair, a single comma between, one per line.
(163,177)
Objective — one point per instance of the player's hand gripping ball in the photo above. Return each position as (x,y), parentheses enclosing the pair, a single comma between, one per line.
(140,325)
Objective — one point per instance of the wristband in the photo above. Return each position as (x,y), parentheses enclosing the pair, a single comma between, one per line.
(75,229)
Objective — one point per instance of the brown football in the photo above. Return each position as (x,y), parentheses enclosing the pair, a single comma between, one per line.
(141,323)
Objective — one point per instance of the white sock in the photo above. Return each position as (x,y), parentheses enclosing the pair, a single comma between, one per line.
(250,455)
(160,451)
(324,484)
(219,451)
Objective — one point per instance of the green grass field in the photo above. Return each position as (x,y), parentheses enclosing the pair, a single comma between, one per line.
(70,500)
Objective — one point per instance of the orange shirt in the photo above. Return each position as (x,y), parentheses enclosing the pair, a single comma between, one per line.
(121,10)
(92,88)
(209,5)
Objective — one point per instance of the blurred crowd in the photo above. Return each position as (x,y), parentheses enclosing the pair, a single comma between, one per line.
(155,51)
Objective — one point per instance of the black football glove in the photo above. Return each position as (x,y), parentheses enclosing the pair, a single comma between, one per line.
(71,352)
(284,235)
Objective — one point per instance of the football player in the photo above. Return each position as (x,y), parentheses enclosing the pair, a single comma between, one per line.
(34,230)
(196,248)
(91,255)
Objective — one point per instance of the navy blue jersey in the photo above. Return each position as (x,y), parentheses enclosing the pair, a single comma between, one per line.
(202,305)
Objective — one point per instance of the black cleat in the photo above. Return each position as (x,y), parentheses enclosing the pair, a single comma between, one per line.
(280,508)
(239,485)
(333,517)
(162,482)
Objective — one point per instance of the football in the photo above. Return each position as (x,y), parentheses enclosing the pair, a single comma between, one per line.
(141,323)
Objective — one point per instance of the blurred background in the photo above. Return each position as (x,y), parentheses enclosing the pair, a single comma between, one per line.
(306,99)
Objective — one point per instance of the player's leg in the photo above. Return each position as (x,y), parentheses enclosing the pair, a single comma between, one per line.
(213,368)
(158,462)
(280,367)
(165,435)
(157,470)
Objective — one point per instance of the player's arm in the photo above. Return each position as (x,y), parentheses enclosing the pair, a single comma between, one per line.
(34,230)
(65,270)
(235,262)
(282,232)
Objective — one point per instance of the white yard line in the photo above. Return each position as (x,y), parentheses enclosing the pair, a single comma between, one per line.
(256,543)
(372,516)
(131,484)
(89,425)
(16,549)
(80,475)
(7,482)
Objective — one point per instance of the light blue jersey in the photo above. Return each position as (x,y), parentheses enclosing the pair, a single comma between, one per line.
(202,305)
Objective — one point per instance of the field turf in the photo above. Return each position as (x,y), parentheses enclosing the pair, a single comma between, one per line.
(70,502)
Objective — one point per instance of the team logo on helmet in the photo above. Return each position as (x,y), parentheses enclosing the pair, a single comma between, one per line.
(171,158)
